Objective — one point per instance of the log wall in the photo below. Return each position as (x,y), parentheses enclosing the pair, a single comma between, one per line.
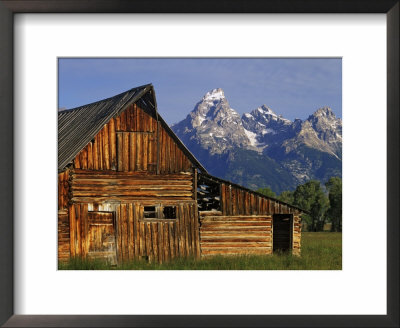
(133,141)
(235,235)
(63,236)
(95,186)
(137,237)
(237,201)
(63,190)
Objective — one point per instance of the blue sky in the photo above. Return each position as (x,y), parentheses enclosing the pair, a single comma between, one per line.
(292,87)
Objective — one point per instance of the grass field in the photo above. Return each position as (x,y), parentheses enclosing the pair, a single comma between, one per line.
(320,251)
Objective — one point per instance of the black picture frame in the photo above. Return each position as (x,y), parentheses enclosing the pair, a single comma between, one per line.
(10,7)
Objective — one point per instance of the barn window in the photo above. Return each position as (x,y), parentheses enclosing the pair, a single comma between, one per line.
(150,212)
(208,194)
(169,212)
(159,212)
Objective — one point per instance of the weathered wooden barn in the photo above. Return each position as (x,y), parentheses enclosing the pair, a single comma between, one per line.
(128,189)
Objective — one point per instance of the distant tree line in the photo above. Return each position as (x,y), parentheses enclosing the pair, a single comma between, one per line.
(323,202)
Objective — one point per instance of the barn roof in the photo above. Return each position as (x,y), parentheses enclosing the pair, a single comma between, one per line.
(78,126)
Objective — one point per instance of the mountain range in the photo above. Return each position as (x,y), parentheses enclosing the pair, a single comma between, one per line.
(262,149)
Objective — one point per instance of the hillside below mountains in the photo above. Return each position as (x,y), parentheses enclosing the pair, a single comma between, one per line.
(260,148)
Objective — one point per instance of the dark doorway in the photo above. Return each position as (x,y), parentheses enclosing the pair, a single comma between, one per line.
(282,232)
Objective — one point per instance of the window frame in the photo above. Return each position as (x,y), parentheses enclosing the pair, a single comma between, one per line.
(159,209)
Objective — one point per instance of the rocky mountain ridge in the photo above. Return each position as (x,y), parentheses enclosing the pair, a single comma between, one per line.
(303,150)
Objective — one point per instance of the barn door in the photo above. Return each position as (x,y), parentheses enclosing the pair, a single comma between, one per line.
(282,232)
(101,236)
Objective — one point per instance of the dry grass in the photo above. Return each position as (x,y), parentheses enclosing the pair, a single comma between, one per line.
(320,251)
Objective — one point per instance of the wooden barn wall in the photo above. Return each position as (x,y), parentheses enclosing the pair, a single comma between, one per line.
(129,143)
(296,235)
(136,237)
(63,189)
(63,236)
(235,235)
(237,201)
(96,186)
(63,223)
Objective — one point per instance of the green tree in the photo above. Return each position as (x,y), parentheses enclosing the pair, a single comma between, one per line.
(311,197)
(267,192)
(287,197)
(334,187)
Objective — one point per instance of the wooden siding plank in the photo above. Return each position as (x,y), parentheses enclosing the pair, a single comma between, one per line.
(132,152)
(120,151)
(141,120)
(142,239)
(150,160)
(78,240)
(137,116)
(125,156)
(193,218)
(166,242)
(95,154)
(118,242)
(229,209)
(181,232)
(84,158)
(123,120)
(131,239)
(84,248)
(113,143)
(160,242)
(154,238)
(128,119)
(176,234)
(138,152)
(90,156)
(172,156)
(171,235)
(117,124)
(136,231)
(234,202)
(77,163)
(162,152)
(197,231)
(72,233)
(125,231)
(145,150)
(106,147)
(147,236)
(187,230)
(100,136)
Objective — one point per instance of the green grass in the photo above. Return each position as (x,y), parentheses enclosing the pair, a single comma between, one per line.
(320,251)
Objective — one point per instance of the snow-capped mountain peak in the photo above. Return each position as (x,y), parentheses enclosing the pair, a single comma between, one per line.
(264,110)
(214,94)
(324,112)
(214,124)
(296,151)
(265,115)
